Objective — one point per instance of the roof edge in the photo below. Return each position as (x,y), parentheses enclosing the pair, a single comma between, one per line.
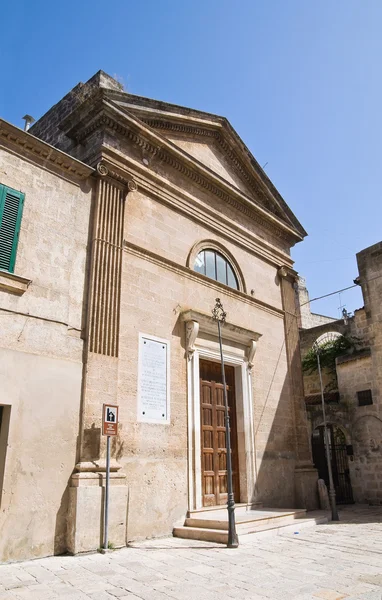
(42,153)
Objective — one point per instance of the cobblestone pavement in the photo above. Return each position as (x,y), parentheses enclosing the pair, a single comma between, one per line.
(327,562)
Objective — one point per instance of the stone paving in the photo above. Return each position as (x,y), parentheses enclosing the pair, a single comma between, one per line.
(328,562)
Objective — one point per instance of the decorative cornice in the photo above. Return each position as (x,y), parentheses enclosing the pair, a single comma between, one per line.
(43,154)
(180,127)
(166,263)
(180,199)
(174,157)
(226,149)
(230,331)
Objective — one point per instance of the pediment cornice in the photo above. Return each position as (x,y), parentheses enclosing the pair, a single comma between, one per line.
(226,148)
(107,115)
(180,120)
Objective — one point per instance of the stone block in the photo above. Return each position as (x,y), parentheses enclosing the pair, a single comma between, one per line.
(86,512)
(306,488)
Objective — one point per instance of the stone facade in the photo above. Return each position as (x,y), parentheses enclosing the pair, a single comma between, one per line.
(168,183)
(307,318)
(356,372)
(41,311)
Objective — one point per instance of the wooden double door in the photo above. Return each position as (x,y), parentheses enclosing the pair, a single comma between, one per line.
(213,433)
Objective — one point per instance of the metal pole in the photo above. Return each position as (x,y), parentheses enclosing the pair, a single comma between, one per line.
(233,540)
(332,491)
(106,541)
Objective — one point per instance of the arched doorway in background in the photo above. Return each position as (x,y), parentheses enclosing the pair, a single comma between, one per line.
(339,459)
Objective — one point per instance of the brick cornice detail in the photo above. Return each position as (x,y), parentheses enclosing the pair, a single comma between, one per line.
(104,120)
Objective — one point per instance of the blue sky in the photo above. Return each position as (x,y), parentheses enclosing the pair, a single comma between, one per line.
(299,80)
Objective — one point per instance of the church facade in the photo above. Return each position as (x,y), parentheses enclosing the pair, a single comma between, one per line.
(180,214)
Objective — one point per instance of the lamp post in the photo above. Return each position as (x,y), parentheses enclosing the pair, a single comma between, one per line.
(332,492)
(233,541)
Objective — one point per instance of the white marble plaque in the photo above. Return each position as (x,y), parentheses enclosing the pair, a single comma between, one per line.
(153,380)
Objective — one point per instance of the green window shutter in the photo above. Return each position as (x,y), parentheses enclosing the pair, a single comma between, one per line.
(11,209)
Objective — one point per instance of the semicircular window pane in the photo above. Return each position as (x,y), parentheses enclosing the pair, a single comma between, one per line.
(215,266)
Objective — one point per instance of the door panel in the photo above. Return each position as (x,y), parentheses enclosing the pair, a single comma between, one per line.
(213,433)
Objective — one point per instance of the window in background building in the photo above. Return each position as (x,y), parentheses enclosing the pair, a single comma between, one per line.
(11,208)
(364,398)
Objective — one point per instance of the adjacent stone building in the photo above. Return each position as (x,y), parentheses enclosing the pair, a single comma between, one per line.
(45,202)
(354,395)
(174,211)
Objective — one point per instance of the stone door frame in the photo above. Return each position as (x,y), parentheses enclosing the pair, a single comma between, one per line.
(239,347)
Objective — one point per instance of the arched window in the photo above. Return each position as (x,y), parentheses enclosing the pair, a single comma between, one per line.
(214,265)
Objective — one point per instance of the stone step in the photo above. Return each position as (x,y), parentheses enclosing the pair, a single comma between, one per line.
(241,508)
(245,522)
(201,534)
(220,536)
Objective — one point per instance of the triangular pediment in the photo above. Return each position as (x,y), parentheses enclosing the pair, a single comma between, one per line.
(207,146)
(213,142)
(203,147)
(207,151)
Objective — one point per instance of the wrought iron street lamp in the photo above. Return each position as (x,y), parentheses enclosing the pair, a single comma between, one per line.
(332,492)
(233,541)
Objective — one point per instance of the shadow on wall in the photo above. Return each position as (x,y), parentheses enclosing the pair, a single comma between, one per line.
(275,464)
(5,416)
(91,451)
(60,531)
(91,447)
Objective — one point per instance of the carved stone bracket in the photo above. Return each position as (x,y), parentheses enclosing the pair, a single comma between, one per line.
(192,330)
(196,321)
(251,351)
(285,272)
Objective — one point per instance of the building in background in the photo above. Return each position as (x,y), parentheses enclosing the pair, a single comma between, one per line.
(174,211)
(353,392)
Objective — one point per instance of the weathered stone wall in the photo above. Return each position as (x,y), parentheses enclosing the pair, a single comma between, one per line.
(356,372)
(49,127)
(158,285)
(153,296)
(41,358)
(179,203)
(307,319)
(308,337)
(367,425)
